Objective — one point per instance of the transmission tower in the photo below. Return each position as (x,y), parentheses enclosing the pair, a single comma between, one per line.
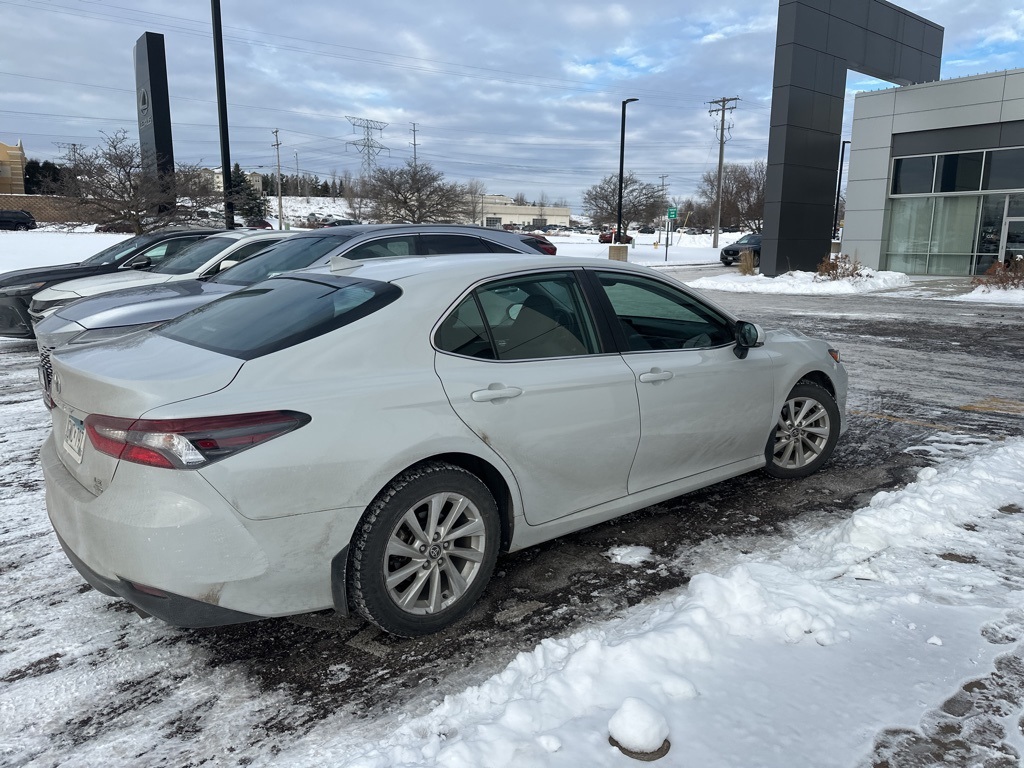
(368,146)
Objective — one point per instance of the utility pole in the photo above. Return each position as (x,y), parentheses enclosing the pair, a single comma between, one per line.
(298,181)
(222,114)
(668,235)
(723,107)
(280,204)
(413,144)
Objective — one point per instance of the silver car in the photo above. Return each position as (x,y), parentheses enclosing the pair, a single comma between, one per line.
(119,313)
(371,438)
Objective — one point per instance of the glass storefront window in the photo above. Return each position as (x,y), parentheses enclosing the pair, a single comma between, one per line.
(953,227)
(989,229)
(959,173)
(1016,209)
(912,175)
(910,225)
(1004,169)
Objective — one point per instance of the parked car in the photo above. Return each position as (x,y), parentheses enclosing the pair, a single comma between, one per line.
(123,312)
(731,253)
(369,436)
(142,252)
(202,258)
(606,237)
(331,221)
(18,220)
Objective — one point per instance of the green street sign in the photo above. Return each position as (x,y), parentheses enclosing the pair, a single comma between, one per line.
(672,212)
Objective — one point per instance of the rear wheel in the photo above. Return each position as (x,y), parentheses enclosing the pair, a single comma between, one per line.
(21,227)
(805,432)
(424,550)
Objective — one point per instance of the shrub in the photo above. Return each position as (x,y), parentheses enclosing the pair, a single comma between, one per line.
(746,263)
(1004,276)
(837,266)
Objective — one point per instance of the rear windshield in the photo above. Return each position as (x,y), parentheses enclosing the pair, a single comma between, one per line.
(279,313)
(293,253)
(123,248)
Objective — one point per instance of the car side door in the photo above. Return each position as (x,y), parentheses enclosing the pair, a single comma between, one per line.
(702,408)
(525,368)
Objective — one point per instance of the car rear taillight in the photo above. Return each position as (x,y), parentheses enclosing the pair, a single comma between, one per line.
(187,443)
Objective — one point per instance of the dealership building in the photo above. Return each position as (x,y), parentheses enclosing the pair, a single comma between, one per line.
(936,176)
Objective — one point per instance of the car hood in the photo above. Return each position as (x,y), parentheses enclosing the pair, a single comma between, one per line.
(51,274)
(96,284)
(143,304)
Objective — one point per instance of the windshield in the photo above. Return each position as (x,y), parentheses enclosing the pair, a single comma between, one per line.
(750,239)
(294,253)
(192,257)
(117,250)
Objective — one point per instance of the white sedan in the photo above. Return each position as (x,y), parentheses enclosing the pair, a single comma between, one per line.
(370,436)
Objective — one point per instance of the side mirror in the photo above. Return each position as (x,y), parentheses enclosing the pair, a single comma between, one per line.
(144,263)
(748,335)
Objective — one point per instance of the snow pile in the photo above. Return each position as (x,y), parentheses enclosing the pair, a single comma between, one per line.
(757,640)
(802,283)
(994,295)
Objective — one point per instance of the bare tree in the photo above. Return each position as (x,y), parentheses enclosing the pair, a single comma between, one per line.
(742,193)
(641,201)
(108,185)
(519,199)
(475,191)
(415,193)
(353,189)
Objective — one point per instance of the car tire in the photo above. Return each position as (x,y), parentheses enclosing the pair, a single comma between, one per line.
(21,227)
(757,259)
(805,432)
(404,575)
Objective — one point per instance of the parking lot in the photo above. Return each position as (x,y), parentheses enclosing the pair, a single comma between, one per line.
(923,371)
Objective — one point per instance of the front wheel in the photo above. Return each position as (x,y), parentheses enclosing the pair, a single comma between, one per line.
(424,550)
(805,433)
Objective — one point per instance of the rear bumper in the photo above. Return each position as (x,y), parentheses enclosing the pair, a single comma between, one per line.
(172,546)
(15,321)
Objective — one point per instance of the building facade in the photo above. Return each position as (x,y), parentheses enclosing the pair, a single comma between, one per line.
(936,180)
(12,169)
(499,210)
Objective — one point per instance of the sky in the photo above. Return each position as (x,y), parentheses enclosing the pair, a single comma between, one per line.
(525,97)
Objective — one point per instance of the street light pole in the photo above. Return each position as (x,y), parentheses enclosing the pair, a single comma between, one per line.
(622,160)
(839,187)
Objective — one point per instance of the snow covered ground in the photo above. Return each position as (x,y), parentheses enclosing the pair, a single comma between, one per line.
(793,650)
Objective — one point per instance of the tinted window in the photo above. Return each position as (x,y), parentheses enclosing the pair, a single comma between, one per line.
(279,313)
(653,315)
(912,175)
(293,253)
(520,319)
(118,250)
(959,173)
(435,244)
(1004,169)
(404,245)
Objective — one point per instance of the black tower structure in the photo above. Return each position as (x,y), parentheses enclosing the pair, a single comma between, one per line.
(817,42)
(154,107)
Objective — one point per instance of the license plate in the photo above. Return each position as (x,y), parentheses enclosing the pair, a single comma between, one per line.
(74,438)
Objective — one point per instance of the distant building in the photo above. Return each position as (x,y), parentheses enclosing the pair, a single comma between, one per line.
(936,182)
(217,179)
(12,169)
(499,210)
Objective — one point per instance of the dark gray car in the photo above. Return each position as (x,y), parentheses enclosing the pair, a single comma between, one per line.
(119,313)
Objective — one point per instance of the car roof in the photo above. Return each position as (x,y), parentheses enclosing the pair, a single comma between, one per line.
(463,267)
(351,230)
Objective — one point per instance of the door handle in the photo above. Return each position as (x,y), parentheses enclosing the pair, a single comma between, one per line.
(495,392)
(655,375)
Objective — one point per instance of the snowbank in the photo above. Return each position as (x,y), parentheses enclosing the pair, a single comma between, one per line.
(802,283)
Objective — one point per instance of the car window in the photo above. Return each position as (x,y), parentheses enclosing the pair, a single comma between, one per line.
(382,248)
(243,252)
(161,251)
(293,253)
(523,318)
(445,243)
(117,250)
(279,313)
(193,256)
(653,315)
